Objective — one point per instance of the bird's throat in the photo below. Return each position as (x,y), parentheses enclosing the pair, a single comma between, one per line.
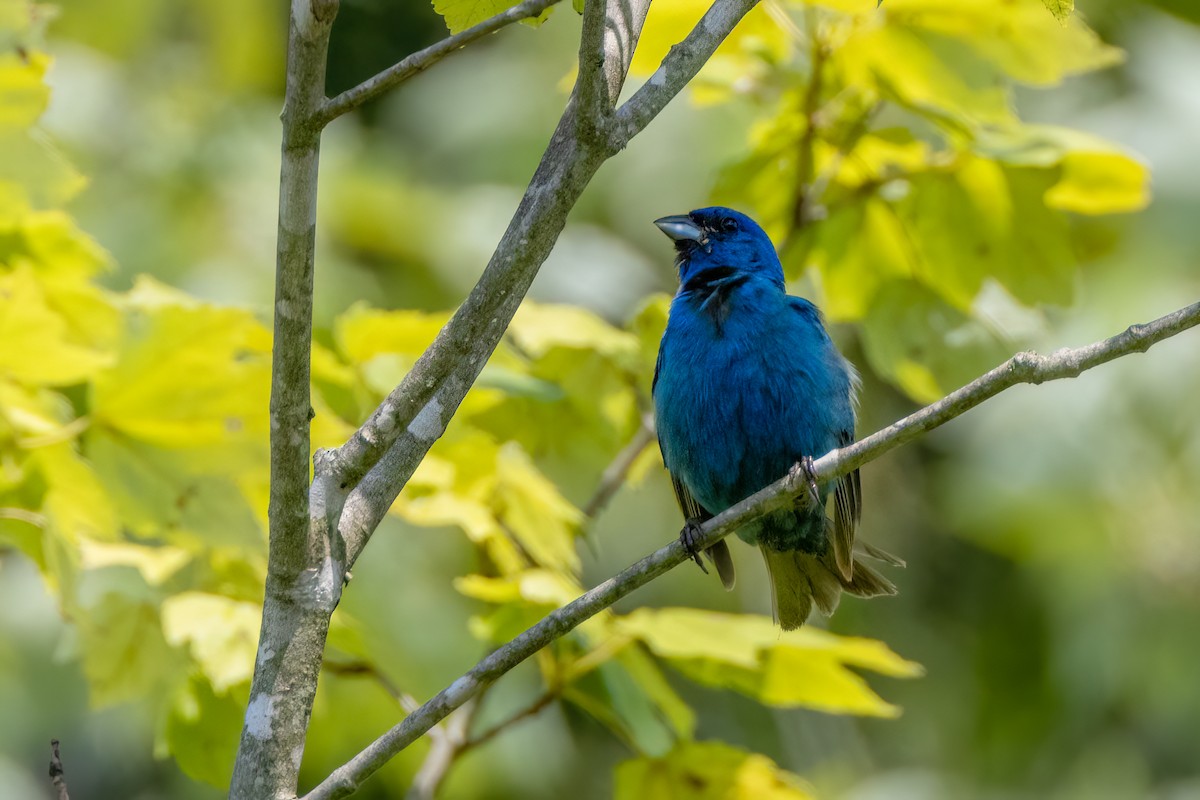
(711,290)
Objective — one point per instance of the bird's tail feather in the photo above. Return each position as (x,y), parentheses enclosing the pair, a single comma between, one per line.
(720,557)
(871,551)
(799,580)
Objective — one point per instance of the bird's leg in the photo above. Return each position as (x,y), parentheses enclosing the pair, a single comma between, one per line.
(689,537)
(803,469)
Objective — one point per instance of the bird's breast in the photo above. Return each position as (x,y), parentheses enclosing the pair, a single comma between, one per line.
(737,404)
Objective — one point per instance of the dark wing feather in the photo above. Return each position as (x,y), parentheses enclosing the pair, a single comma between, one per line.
(692,511)
(847,510)
(719,553)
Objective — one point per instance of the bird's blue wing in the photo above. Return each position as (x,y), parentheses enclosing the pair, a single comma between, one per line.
(718,553)
(847,491)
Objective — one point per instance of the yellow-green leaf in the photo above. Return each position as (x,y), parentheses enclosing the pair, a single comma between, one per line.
(1019,38)
(707,771)
(362,332)
(220,633)
(35,170)
(757,41)
(160,493)
(534,511)
(23,94)
(1095,176)
(463,14)
(856,249)
(649,678)
(39,348)
(538,327)
(156,564)
(979,219)
(1061,9)
(1100,183)
(75,498)
(536,586)
(201,731)
(33,413)
(923,345)
(806,667)
(124,653)
(943,83)
(191,377)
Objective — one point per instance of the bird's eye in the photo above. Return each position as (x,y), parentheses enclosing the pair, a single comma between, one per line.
(729,224)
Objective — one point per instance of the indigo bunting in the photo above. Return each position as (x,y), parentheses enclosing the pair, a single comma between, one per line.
(748,386)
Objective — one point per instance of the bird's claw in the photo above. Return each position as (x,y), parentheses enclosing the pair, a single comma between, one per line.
(804,470)
(689,537)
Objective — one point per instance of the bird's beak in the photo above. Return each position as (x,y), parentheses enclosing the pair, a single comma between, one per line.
(681,228)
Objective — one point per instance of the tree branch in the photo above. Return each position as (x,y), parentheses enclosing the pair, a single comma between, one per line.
(611,29)
(449,742)
(531,710)
(1021,368)
(302,586)
(615,473)
(806,156)
(57,777)
(677,69)
(422,60)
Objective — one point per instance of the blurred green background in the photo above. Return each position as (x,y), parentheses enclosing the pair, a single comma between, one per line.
(1053,586)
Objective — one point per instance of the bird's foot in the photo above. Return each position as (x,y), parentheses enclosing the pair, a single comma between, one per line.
(803,470)
(689,537)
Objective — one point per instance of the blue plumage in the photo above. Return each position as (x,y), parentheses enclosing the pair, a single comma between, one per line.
(748,383)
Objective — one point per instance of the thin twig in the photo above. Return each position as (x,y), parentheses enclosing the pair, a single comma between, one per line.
(449,741)
(351,669)
(23,515)
(591,85)
(422,60)
(534,708)
(617,471)
(1021,368)
(677,69)
(57,778)
(805,156)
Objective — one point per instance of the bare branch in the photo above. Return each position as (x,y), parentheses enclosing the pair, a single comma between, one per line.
(679,67)
(303,584)
(611,29)
(531,710)
(615,473)
(449,742)
(591,92)
(806,155)
(422,60)
(1021,368)
(57,778)
(351,669)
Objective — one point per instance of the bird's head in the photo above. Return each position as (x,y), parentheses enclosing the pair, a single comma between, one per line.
(720,237)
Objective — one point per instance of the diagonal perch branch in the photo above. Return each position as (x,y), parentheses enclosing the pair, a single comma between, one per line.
(1021,368)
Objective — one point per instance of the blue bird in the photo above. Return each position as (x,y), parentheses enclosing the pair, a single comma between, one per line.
(748,386)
